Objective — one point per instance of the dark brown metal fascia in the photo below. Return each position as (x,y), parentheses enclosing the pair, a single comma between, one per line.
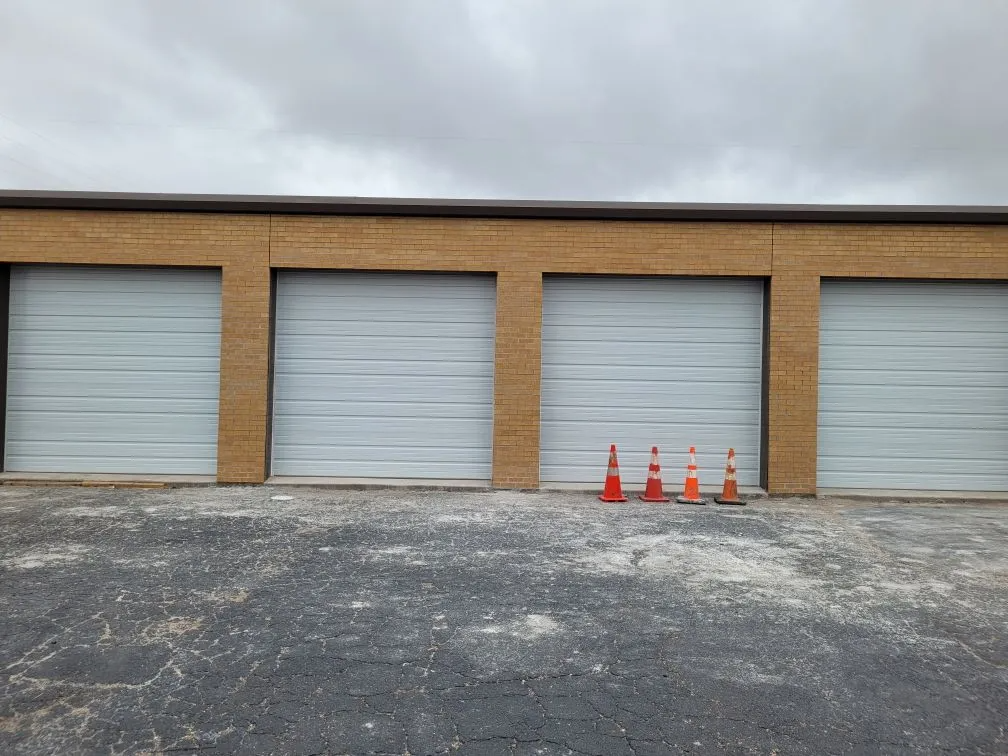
(535,209)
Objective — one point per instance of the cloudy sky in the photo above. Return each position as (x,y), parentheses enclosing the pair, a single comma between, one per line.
(863,101)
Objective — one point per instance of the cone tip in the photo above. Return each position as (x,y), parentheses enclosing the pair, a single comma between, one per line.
(692,450)
(612,447)
(654,449)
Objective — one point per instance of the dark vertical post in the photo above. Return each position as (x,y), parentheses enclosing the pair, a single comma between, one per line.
(764,477)
(5,271)
(272,361)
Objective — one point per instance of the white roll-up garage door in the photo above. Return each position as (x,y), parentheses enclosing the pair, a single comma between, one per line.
(113,370)
(672,362)
(384,375)
(913,386)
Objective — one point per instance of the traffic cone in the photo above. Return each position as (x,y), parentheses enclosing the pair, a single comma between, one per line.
(613,491)
(729,494)
(653,489)
(691,491)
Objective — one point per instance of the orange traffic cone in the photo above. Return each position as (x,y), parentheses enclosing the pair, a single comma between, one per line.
(653,489)
(691,491)
(613,491)
(729,494)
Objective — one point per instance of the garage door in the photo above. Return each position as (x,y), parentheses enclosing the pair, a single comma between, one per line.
(913,386)
(113,370)
(383,375)
(645,361)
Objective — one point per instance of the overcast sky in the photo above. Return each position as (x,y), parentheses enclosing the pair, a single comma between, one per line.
(895,101)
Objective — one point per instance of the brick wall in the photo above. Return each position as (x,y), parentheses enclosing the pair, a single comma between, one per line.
(518,367)
(245,349)
(465,244)
(793,373)
(793,256)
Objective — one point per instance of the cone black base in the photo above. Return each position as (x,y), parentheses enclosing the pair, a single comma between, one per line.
(732,502)
(684,500)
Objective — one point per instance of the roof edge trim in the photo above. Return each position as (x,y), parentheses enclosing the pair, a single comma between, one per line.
(524,209)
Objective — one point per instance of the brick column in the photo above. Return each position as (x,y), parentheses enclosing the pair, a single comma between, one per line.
(517,372)
(794,382)
(244,369)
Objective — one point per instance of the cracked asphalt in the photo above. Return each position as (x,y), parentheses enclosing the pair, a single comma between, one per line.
(302,620)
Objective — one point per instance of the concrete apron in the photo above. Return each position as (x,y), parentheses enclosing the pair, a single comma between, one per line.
(751,492)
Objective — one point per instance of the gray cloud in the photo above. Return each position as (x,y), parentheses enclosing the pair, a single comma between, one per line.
(853,101)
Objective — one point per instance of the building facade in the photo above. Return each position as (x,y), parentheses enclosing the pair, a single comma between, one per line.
(504,343)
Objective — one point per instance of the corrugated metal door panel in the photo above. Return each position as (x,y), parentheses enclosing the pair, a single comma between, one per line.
(113,370)
(913,385)
(384,375)
(645,361)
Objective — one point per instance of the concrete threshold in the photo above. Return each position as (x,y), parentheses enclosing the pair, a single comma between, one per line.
(900,494)
(99,480)
(436,484)
(670,491)
(470,485)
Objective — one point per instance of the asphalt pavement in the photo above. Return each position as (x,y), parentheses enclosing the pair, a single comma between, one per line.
(307,620)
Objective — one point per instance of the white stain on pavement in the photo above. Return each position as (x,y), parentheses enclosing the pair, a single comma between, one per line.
(91,511)
(53,556)
(537,625)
